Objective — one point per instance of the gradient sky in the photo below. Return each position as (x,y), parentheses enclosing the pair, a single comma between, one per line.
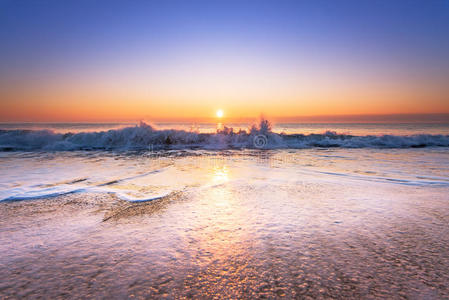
(160,60)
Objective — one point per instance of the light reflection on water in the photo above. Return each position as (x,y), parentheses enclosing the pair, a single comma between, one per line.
(293,224)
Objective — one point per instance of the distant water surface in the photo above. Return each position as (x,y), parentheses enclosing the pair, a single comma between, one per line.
(289,128)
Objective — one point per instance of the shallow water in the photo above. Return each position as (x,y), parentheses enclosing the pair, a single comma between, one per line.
(313,222)
(147,175)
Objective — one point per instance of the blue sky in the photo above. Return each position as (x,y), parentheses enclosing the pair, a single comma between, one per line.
(401,41)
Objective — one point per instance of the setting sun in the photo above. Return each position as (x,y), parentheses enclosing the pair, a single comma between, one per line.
(219,113)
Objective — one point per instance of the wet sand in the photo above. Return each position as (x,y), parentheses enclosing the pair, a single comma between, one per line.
(229,241)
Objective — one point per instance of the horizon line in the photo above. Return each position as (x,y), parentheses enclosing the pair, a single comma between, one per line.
(343,118)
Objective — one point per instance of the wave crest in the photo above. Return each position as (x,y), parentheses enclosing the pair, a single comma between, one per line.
(144,136)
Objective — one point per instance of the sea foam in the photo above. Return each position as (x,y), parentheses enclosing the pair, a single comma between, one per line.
(145,136)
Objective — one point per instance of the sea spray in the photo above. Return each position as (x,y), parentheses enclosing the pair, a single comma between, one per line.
(145,136)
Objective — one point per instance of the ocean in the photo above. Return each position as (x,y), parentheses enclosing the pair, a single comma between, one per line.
(179,210)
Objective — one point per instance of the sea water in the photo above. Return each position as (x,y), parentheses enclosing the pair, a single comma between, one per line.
(352,211)
(142,162)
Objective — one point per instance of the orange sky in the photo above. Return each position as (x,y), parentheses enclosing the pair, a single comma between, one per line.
(198,97)
(153,61)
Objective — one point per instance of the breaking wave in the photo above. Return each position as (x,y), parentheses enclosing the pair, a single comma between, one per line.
(144,136)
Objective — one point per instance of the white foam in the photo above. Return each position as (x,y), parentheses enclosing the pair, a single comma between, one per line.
(144,137)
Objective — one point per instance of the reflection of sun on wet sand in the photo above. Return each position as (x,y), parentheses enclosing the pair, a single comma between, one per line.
(232,239)
(233,224)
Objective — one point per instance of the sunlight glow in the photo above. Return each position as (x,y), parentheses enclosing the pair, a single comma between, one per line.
(219,113)
(220,174)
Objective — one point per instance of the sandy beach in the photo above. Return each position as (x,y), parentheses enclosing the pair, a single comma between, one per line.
(230,240)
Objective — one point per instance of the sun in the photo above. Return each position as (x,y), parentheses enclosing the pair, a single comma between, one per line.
(219,113)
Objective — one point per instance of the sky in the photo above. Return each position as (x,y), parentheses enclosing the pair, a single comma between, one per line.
(177,60)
